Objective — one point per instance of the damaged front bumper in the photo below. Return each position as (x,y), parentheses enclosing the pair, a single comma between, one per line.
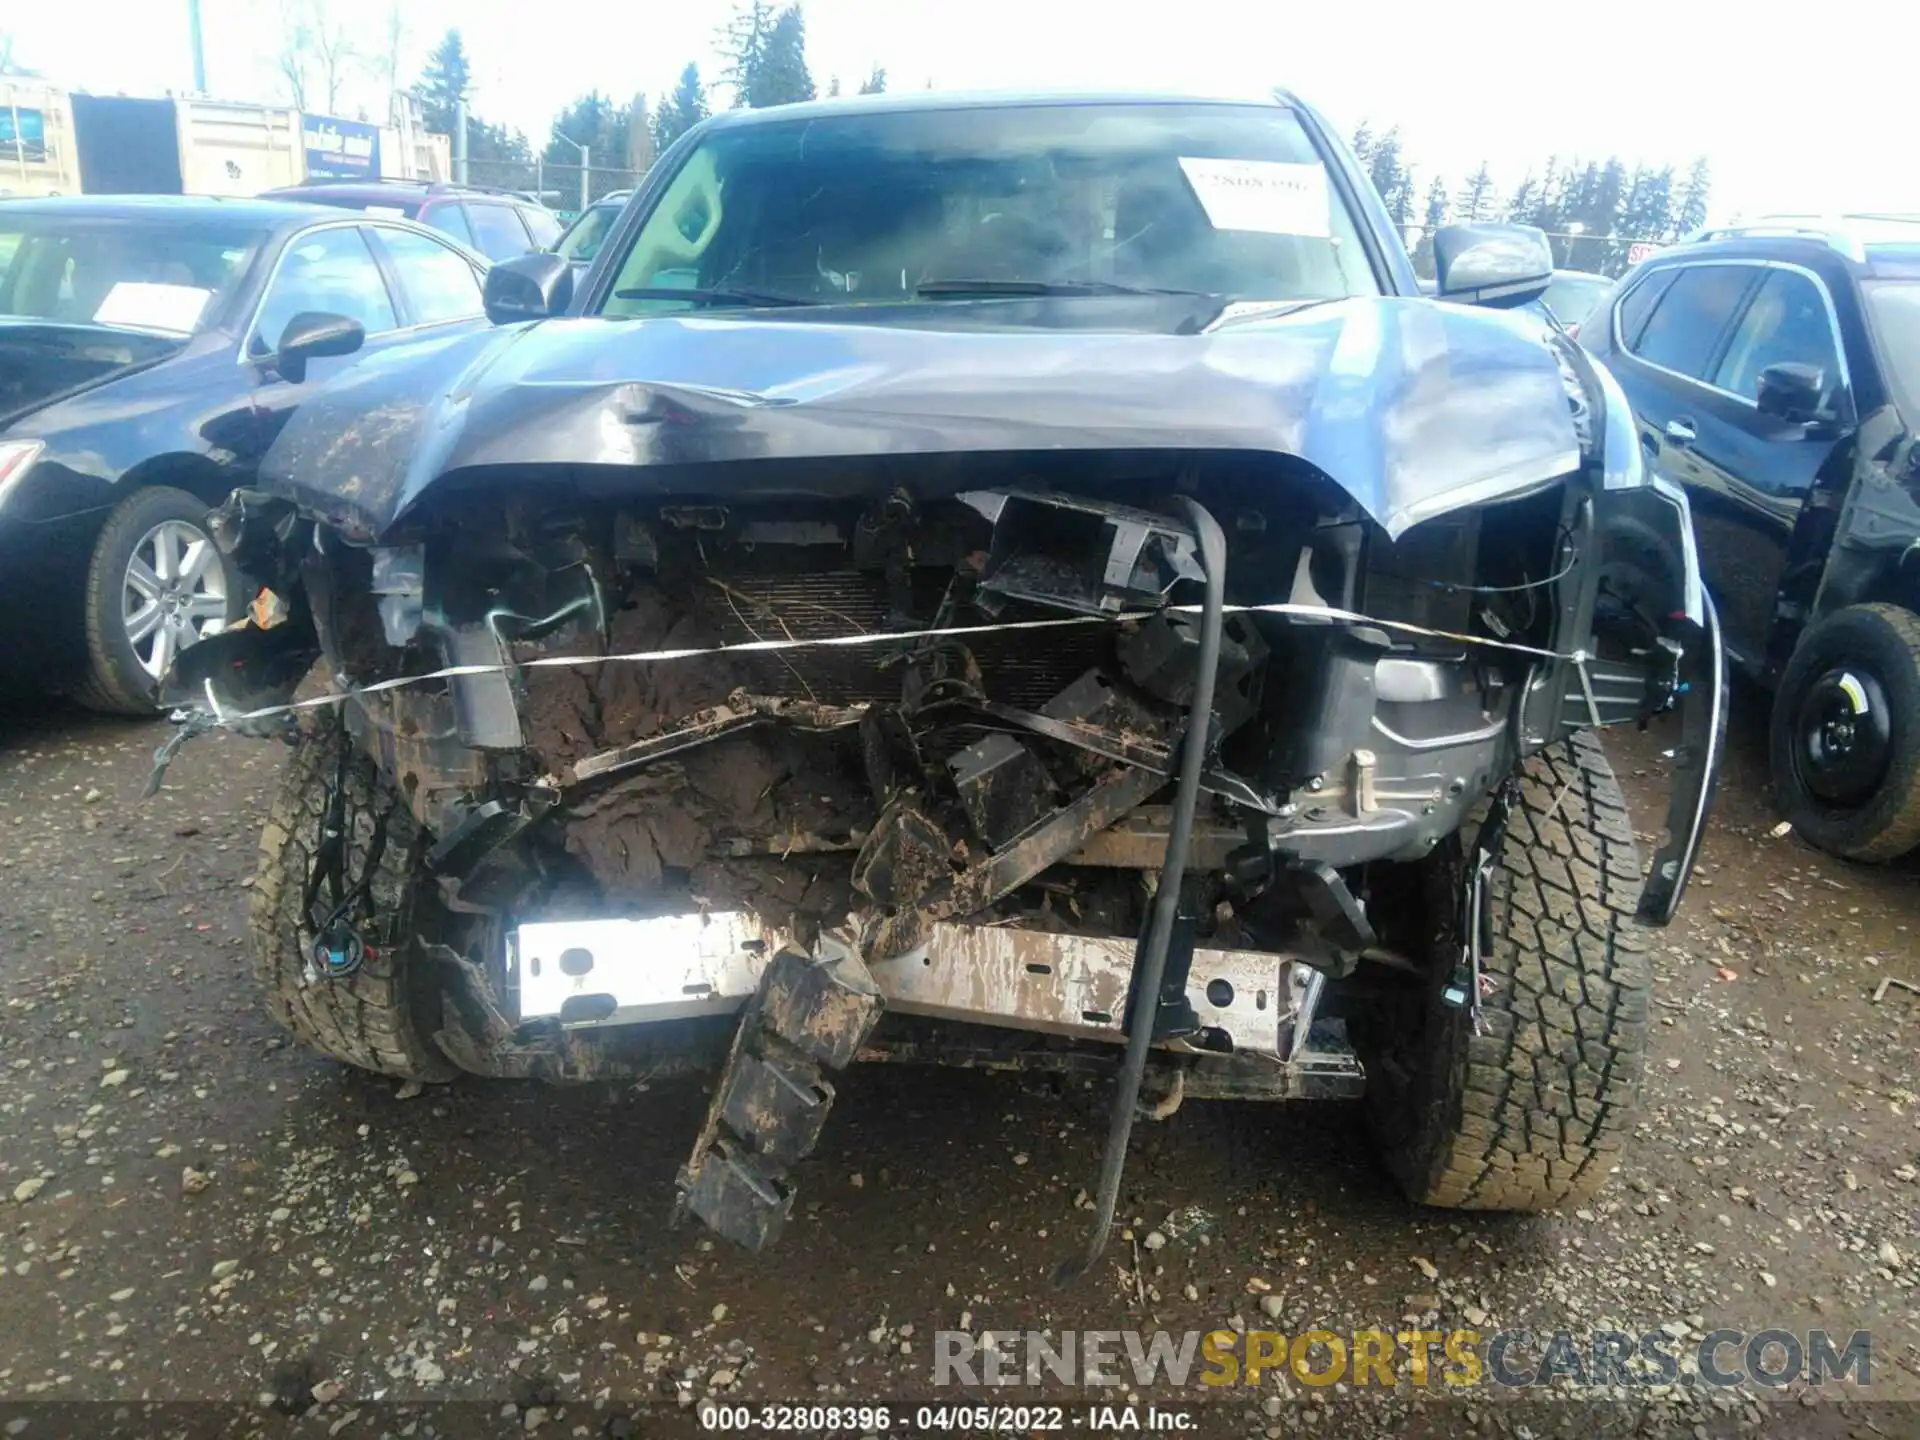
(888,783)
(1256,1010)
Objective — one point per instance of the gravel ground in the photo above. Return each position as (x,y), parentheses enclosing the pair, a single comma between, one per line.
(193,1211)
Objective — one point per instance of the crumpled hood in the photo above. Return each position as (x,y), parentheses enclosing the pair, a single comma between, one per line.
(1413,407)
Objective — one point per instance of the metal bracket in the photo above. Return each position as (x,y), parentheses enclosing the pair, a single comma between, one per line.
(904,864)
(1147,754)
(1465,988)
(742,711)
(188,725)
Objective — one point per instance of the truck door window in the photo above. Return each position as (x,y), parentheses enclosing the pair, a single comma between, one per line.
(439,283)
(330,271)
(1638,305)
(543,225)
(1685,328)
(450,219)
(497,231)
(1786,321)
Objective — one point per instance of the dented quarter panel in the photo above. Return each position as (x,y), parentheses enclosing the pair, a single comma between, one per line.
(1412,406)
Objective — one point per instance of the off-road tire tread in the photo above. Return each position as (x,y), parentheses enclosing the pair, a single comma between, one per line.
(366,1019)
(1898,831)
(1532,1112)
(100,687)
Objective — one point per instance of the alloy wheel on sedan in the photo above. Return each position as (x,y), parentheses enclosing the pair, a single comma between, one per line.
(174,593)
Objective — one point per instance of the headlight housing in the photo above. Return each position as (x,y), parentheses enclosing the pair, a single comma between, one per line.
(16,458)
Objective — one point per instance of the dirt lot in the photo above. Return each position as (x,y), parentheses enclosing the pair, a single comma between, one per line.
(195,1212)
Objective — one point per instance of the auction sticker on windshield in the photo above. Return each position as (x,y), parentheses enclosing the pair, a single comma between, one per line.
(1272,196)
(144,305)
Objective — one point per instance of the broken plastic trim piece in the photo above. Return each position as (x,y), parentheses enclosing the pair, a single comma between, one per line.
(808,1015)
(1046,550)
(1702,701)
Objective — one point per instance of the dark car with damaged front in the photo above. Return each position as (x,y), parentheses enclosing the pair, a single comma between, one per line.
(1019,582)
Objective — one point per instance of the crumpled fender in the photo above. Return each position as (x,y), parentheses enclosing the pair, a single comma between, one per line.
(1412,406)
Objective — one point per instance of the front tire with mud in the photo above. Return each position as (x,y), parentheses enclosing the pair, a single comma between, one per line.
(367,1018)
(1530,1113)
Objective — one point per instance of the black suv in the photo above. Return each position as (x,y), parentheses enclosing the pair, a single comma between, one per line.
(1774,370)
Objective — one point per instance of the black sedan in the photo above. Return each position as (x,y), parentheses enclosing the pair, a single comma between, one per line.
(151,348)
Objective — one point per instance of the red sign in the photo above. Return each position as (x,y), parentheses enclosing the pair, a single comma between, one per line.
(1641,250)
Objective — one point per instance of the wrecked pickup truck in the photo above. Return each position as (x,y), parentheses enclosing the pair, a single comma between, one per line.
(1015,583)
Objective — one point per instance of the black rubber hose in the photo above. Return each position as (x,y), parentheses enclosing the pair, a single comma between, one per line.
(1150,961)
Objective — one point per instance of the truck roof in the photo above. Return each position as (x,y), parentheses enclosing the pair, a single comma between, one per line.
(911,101)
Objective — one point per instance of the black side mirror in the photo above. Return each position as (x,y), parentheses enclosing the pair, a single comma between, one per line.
(310,335)
(1792,392)
(1497,265)
(528,287)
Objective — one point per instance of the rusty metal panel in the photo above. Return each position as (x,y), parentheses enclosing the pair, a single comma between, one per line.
(1077,985)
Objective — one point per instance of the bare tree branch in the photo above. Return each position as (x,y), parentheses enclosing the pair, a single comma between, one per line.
(291,58)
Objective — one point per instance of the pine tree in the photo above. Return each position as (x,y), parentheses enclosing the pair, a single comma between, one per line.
(1525,200)
(592,121)
(1577,196)
(638,123)
(781,76)
(1645,214)
(743,40)
(1596,213)
(1400,207)
(1690,206)
(446,80)
(1549,198)
(1481,199)
(876,81)
(1658,206)
(1363,143)
(1431,220)
(495,144)
(681,111)
(1603,209)
(1390,176)
(766,52)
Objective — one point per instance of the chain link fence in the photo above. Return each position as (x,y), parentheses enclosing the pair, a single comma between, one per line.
(566,189)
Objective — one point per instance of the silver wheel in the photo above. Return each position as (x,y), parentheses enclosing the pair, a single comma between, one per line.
(173,594)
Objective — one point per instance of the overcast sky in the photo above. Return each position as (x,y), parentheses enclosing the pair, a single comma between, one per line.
(1792,117)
